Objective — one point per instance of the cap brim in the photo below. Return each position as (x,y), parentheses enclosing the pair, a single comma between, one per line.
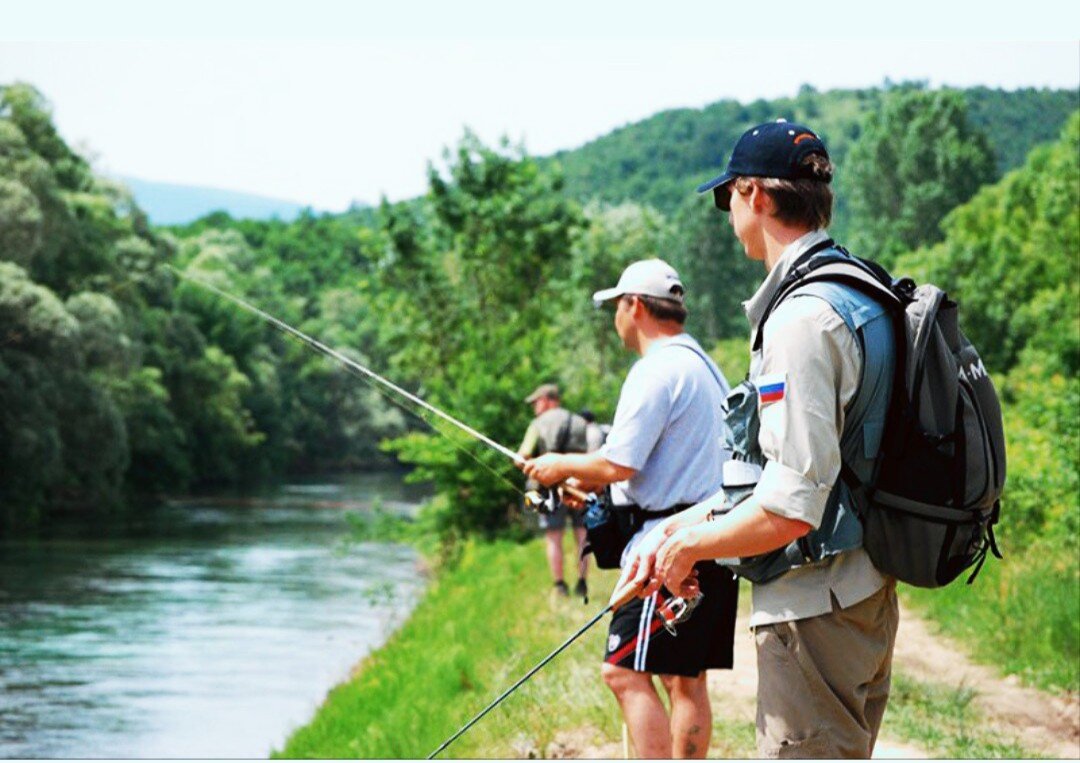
(604,295)
(727,177)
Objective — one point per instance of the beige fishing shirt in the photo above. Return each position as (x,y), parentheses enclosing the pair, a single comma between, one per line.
(809,349)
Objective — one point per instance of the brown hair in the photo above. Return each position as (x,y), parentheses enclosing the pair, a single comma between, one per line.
(805,201)
(662,309)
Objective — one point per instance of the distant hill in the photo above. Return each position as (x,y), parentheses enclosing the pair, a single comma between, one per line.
(172,204)
(659,160)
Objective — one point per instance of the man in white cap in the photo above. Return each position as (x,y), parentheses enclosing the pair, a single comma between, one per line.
(664,453)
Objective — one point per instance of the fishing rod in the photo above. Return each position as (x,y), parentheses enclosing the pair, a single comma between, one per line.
(618,598)
(673,612)
(532,498)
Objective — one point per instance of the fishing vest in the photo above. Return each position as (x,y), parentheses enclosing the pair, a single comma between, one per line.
(864,422)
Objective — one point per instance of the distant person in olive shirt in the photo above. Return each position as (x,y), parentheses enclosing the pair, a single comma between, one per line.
(557,430)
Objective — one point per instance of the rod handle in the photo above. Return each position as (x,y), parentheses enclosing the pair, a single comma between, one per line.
(623,594)
(581,495)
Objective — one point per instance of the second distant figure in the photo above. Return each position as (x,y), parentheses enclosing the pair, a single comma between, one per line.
(557,430)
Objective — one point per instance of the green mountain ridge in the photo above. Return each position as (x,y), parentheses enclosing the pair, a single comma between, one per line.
(660,160)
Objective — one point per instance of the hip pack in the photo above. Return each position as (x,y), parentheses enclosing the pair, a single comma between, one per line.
(929,511)
(608,529)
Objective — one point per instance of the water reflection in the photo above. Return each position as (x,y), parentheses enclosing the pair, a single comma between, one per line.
(205,628)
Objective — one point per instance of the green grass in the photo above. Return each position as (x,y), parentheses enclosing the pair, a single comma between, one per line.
(1021,615)
(944,722)
(481,625)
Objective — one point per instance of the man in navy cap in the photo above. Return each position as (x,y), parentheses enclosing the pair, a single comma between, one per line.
(806,426)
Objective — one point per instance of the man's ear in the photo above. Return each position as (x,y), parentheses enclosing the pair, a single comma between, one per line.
(760,201)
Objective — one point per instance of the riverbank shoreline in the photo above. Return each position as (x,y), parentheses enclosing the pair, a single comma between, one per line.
(481,624)
(198,629)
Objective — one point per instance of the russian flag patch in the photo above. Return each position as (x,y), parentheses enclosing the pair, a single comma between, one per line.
(771,387)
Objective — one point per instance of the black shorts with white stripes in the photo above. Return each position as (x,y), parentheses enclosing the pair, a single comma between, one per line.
(638,640)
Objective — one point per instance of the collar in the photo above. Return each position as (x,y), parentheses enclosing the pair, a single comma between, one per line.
(755,306)
(664,341)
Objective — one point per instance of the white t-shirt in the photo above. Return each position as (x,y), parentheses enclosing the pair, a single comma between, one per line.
(669,427)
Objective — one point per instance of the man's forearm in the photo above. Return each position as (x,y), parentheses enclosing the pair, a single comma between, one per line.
(747,530)
(594,469)
(692,516)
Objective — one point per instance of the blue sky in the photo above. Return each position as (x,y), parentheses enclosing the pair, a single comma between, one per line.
(325,102)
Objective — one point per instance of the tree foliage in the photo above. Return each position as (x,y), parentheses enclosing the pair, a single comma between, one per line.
(915,160)
(661,159)
(469,276)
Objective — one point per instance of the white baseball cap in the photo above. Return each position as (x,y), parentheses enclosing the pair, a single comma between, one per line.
(653,278)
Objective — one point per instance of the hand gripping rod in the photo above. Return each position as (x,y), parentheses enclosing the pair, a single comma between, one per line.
(618,598)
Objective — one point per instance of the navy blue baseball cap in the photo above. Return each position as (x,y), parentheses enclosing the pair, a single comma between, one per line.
(770,150)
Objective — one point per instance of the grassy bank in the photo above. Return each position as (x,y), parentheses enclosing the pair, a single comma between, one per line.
(484,622)
(480,626)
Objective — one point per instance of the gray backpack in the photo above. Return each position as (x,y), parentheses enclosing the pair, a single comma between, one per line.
(929,512)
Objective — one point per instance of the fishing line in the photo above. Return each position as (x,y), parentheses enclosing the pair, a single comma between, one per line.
(461,447)
(370,377)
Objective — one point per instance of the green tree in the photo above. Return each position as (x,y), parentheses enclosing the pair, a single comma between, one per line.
(715,269)
(917,158)
(1010,257)
(612,238)
(480,258)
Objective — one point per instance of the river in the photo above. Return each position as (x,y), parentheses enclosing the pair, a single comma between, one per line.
(201,628)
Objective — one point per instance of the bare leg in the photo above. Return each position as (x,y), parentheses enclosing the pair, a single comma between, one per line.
(691,715)
(555,553)
(646,718)
(583,561)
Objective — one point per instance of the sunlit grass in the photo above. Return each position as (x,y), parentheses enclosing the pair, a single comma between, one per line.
(1021,615)
(944,721)
(487,619)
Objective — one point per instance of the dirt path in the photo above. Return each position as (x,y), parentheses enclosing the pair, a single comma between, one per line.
(1043,723)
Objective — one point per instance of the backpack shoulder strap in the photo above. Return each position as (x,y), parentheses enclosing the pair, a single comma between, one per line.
(710,364)
(562,439)
(831,263)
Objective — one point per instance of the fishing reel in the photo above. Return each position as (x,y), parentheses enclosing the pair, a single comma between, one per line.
(546,500)
(542,501)
(677,610)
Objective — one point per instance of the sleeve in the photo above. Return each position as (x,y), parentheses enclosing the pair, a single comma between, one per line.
(640,418)
(809,371)
(528,445)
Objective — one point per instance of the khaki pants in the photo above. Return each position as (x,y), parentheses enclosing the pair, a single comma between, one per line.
(823,682)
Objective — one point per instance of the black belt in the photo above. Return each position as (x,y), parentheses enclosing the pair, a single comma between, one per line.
(642,515)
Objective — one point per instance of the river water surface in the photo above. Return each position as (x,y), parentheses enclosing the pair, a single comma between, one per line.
(203,628)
